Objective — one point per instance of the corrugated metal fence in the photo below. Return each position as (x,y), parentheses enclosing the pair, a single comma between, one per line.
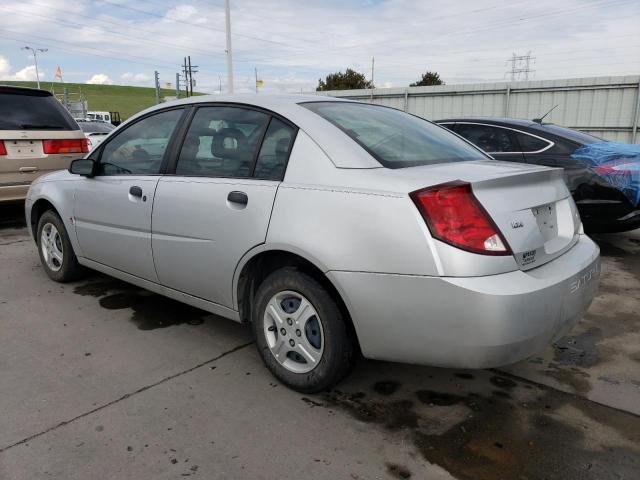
(607,107)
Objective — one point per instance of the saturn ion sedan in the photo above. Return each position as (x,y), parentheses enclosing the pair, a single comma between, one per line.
(333,227)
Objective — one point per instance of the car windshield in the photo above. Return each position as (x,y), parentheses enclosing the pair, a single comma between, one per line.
(96,127)
(395,139)
(569,134)
(33,111)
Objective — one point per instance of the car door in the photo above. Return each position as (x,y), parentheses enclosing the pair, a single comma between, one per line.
(217,204)
(112,209)
(499,142)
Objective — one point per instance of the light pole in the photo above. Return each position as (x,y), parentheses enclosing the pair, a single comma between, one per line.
(35,59)
(227,11)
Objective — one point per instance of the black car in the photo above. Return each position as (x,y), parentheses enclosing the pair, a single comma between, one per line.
(604,177)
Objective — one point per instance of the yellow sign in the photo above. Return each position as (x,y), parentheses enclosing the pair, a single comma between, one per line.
(259,83)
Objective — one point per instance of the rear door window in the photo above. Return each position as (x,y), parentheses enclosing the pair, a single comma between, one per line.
(531,144)
(275,151)
(394,138)
(33,110)
(488,138)
(222,142)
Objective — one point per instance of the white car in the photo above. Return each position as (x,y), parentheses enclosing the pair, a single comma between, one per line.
(328,225)
(95,131)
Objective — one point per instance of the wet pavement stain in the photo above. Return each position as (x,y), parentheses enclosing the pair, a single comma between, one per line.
(430,397)
(511,433)
(580,350)
(150,311)
(398,471)
(386,387)
(502,382)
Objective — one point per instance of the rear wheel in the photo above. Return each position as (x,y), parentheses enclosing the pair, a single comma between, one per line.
(56,253)
(300,332)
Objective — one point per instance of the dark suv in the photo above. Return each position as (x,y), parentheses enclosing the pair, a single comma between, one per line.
(604,177)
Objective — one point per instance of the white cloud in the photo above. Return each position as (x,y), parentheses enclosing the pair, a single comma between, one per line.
(26,74)
(135,77)
(100,79)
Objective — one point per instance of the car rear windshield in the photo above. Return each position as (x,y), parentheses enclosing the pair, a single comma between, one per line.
(33,111)
(569,134)
(394,138)
(96,127)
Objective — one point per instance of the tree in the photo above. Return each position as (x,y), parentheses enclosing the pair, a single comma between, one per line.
(344,81)
(429,78)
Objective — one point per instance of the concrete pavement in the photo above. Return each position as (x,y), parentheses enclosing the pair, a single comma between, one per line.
(99,379)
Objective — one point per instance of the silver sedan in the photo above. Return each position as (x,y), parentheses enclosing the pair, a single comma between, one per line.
(332,226)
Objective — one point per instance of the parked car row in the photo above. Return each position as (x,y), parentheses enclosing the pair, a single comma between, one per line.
(331,226)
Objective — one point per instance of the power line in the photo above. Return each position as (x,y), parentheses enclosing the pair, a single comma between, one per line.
(153,14)
(79,25)
(75,50)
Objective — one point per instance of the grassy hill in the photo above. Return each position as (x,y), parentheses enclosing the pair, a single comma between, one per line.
(119,98)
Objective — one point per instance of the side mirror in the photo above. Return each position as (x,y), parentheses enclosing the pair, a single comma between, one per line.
(82,166)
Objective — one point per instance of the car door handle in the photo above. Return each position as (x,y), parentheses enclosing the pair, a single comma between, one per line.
(238,197)
(135,191)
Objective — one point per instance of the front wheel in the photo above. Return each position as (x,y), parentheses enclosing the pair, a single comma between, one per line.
(56,253)
(300,332)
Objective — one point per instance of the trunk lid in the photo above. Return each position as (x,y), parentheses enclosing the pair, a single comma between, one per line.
(530,204)
(534,211)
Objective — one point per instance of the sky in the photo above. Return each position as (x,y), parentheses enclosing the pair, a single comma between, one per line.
(294,43)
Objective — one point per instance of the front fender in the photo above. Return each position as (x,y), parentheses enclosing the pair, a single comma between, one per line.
(60,194)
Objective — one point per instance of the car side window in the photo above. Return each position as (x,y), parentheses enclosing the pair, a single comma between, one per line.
(274,151)
(529,143)
(139,149)
(222,142)
(490,139)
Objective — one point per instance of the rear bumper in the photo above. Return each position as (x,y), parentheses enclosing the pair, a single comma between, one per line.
(470,322)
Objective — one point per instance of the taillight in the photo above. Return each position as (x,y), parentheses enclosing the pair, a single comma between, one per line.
(454,216)
(65,146)
(619,168)
(3,149)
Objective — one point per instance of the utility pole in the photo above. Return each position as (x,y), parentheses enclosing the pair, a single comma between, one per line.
(188,70)
(227,11)
(190,77)
(35,58)
(372,70)
(219,84)
(177,85)
(185,75)
(520,66)
(157,79)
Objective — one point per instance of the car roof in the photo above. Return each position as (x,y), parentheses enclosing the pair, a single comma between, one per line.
(273,102)
(337,145)
(24,90)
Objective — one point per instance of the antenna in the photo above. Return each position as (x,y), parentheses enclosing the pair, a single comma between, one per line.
(539,120)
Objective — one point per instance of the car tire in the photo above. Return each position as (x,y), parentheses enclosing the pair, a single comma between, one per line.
(55,250)
(311,348)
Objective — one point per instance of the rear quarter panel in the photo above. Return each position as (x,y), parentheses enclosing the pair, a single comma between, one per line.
(319,215)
